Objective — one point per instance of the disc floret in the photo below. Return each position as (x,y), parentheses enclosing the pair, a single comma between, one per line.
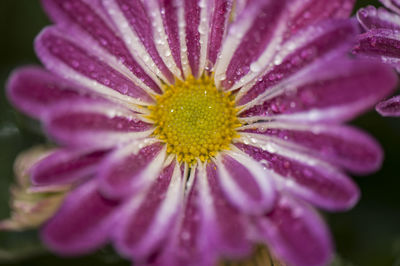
(195,119)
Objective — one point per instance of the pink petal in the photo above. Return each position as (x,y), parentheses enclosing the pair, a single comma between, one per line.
(67,57)
(245,183)
(131,168)
(94,123)
(389,107)
(197,16)
(372,18)
(251,42)
(66,166)
(170,20)
(380,44)
(219,25)
(394,5)
(306,177)
(309,48)
(146,219)
(308,12)
(337,91)
(88,20)
(192,35)
(186,244)
(59,14)
(232,229)
(209,225)
(163,36)
(296,234)
(82,224)
(344,146)
(138,32)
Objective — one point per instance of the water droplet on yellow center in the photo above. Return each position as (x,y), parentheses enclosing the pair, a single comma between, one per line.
(195,119)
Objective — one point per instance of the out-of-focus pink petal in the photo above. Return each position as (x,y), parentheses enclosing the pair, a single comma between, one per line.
(66,166)
(297,234)
(308,12)
(372,18)
(389,107)
(34,90)
(58,11)
(83,222)
(380,44)
(394,5)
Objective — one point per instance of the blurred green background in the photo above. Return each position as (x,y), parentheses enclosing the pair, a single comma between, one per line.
(367,235)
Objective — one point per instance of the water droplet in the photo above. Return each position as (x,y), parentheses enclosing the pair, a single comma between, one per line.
(202,4)
(124,88)
(202,29)
(255,67)
(278,60)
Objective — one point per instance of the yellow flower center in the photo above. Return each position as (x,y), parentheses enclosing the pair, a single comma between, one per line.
(195,119)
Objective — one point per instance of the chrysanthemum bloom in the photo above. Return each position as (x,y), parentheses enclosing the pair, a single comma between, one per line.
(193,130)
(381,41)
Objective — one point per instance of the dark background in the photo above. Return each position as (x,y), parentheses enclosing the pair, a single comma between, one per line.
(367,235)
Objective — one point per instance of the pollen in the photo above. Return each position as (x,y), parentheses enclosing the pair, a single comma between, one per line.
(195,119)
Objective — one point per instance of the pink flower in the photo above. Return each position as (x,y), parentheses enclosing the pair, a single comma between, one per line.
(191,132)
(381,42)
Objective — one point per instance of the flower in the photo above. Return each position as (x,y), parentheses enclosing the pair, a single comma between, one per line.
(191,132)
(381,41)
